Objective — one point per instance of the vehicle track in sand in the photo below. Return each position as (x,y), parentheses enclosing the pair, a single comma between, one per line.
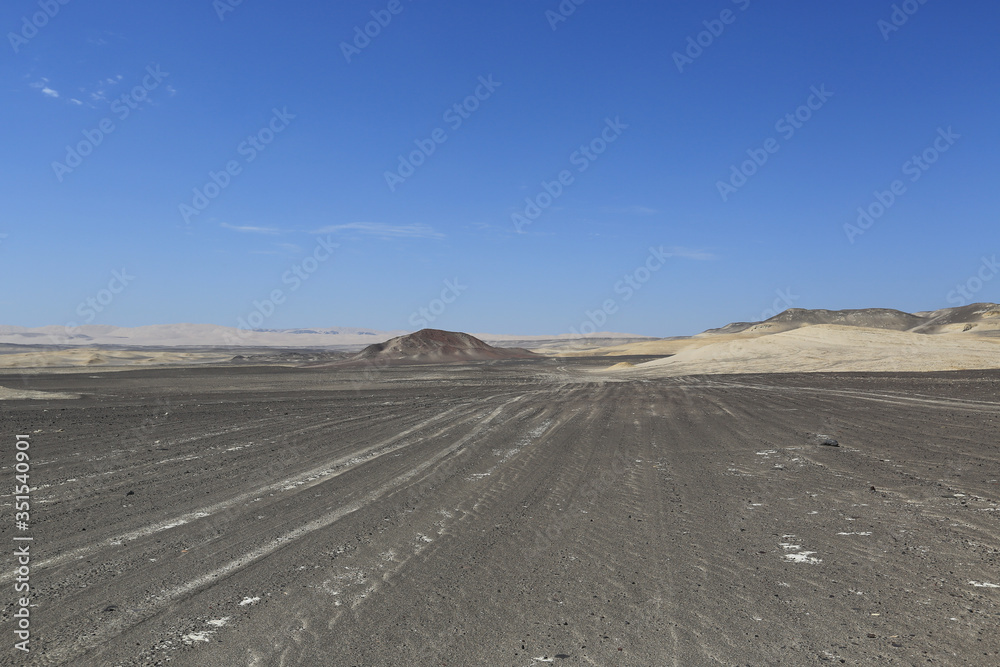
(495,514)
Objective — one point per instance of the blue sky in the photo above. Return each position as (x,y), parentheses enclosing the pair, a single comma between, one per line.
(617,98)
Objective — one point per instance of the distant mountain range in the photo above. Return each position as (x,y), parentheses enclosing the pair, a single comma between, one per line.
(975,319)
(982,317)
(212,336)
(799,340)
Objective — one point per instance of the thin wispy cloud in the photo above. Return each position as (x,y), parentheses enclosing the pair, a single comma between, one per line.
(249,229)
(102,87)
(43,87)
(383,231)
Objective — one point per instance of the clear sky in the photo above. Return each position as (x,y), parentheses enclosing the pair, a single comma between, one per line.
(595,168)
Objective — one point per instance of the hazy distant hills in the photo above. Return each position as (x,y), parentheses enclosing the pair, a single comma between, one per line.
(984,316)
(189,335)
(214,336)
(793,318)
(800,340)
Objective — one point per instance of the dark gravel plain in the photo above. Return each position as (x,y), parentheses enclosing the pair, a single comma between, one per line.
(511,513)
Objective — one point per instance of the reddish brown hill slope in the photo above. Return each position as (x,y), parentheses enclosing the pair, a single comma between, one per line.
(437,346)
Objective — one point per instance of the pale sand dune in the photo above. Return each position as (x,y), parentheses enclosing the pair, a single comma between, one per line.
(973,321)
(669,346)
(826,347)
(210,335)
(970,328)
(76,358)
(8,394)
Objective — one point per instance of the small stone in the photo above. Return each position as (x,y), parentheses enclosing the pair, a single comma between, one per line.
(826,440)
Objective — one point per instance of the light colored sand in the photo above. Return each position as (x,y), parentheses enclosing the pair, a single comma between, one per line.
(827,347)
(8,394)
(210,335)
(76,358)
(669,346)
(975,321)
(177,335)
(974,328)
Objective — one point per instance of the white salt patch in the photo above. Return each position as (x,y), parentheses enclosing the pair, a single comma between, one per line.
(803,557)
(193,637)
(854,534)
(249,601)
(218,622)
(984,584)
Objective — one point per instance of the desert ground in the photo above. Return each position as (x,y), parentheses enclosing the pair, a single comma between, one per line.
(799,340)
(512,512)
